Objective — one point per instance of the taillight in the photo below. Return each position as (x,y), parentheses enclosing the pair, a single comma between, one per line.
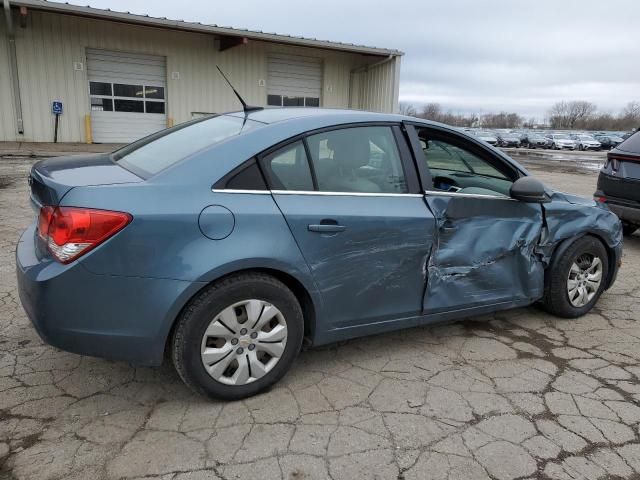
(601,199)
(70,232)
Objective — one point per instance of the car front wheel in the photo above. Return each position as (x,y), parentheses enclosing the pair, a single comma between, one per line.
(238,337)
(576,278)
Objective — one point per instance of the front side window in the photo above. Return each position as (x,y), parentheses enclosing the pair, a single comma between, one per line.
(288,168)
(358,159)
(456,167)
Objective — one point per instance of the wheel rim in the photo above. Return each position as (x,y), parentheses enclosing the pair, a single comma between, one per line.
(585,277)
(244,342)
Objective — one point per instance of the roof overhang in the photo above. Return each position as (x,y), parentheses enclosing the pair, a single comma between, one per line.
(130,18)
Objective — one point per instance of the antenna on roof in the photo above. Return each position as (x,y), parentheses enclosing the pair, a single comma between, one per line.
(246,108)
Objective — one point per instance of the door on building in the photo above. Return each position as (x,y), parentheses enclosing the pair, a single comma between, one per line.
(294,81)
(127,93)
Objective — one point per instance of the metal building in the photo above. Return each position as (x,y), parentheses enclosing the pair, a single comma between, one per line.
(121,76)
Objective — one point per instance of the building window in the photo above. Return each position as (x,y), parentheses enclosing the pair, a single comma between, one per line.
(122,90)
(154,107)
(129,106)
(285,101)
(101,104)
(122,97)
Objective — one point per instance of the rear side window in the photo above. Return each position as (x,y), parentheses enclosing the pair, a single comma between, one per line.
(631,144)
(154,153)
(288,168)
(357,159)
(248,178)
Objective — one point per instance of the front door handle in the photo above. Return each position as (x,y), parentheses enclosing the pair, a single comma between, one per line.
(327,226)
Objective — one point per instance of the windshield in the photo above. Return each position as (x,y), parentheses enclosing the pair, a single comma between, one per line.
(585,137)
(156,152)
(483,133)
(561,137)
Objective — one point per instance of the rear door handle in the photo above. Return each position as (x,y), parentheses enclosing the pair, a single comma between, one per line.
(327,226)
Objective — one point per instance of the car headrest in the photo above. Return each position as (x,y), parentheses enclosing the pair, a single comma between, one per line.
(349,151)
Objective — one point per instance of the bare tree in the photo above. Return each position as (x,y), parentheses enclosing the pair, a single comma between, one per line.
(569,114)
(632,110)
(407,109)
(501,120)
(431,111)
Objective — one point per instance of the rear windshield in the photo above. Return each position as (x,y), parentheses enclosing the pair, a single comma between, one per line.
(154,153)
(631,144)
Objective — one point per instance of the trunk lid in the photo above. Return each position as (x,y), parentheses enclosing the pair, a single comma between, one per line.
(52,178)
(620,177)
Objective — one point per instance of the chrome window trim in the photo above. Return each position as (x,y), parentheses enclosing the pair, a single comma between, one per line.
(248,192)
(469,195)
(362,194)
(346,194)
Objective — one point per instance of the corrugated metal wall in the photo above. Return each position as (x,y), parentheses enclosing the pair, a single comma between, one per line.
(377,87)
(51,43)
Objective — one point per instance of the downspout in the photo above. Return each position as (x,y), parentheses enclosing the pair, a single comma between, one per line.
(364,68)
(13,66)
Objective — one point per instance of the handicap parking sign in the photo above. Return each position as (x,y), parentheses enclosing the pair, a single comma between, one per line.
(56,108)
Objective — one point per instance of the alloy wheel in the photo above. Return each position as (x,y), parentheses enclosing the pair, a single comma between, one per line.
(585,277)
(244,342)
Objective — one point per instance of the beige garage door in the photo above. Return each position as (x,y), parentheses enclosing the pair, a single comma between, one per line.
(294,81)
(128,95)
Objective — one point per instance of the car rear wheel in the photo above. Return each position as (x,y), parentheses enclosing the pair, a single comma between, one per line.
(238,337)
(576,278)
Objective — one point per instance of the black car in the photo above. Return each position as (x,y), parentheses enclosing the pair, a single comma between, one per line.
(534,140)
(619,183)
(609,141)
(508,140)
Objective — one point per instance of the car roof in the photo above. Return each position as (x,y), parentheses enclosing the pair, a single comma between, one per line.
(283,114)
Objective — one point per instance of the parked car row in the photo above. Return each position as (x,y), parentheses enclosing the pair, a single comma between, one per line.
(550,140)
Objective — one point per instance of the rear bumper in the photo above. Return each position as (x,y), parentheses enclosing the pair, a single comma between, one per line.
(627,211)
(115,317)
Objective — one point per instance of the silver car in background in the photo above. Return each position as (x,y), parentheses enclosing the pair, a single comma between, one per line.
(586,142)
(561,141)
(486,136)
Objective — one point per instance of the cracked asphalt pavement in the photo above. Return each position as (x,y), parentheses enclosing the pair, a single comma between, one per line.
(517,394)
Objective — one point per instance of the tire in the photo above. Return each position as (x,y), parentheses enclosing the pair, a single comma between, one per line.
(580,147)
(557,294)
(234,296)
(628,229)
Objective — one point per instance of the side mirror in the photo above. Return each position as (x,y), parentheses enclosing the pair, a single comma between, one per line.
(530,190)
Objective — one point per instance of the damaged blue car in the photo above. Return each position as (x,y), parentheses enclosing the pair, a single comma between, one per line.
(227,242)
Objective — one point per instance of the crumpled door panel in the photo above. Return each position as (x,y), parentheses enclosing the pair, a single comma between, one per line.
(484,253)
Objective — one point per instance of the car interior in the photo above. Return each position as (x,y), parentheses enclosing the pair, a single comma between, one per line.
(359,160)
(455,169)
(366,160)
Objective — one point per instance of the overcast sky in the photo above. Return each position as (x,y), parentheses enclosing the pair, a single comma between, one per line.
(468,55)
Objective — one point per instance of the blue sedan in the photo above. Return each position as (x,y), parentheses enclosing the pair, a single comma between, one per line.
(228,242)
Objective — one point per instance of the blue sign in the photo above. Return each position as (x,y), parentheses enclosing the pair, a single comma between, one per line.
(56,108)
